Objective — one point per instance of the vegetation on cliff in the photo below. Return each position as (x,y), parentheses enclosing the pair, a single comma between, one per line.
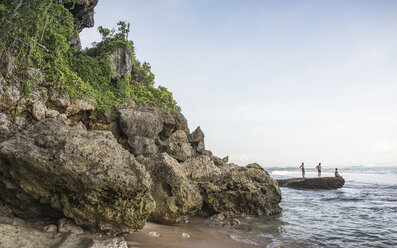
(40,34)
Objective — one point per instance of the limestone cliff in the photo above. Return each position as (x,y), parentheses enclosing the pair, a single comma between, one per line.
(111,171)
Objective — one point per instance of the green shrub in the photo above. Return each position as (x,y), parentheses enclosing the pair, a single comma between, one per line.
(37,34)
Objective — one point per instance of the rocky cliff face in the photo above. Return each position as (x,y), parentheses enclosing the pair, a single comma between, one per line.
(113,172)
(83,13)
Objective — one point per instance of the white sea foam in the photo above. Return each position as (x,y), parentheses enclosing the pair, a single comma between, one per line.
(185,235)
(377,179)
(275,244)
(154,234)
(242,240)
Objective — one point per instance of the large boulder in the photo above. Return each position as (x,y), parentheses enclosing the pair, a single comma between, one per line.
(140,123)
(33,233)
(120,61)
(12,236)
(241,191)
(85,175)
(175,195)
(79,105)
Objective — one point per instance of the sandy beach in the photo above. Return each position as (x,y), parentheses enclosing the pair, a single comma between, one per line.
(171,236)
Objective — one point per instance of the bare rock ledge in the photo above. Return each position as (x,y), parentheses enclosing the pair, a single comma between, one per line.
(312,183)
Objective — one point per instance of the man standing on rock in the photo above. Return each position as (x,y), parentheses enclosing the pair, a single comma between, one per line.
(303,169)
(337,173)
(318,167)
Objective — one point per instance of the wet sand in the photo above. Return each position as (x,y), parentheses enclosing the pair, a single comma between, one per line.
(171,237)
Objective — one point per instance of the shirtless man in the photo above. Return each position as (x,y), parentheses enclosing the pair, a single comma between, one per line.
(318,167)
(303,169)
(336,173)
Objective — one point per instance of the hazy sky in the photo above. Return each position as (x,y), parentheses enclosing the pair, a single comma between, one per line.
(274,82)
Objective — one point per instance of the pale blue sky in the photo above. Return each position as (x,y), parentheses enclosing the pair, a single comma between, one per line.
(274,82)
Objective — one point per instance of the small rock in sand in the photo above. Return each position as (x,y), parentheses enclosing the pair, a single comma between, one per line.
(185,235)
(217,217)
(232,222)
(154,234)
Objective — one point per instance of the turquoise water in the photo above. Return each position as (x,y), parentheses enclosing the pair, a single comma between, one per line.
(361,214)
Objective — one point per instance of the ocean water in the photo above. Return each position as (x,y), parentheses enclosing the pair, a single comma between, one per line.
(361,214)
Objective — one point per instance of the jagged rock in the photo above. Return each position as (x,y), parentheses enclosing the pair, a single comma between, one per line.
(12,236)
(116,242)
(142,145)
(15,232)
(39,94)
(173,192)
(179,146)
(58,99)
(207,153)
(120,61)
(168,123)
(107,117)
(140,123)
(51,113)
(232,222)
(39,110)
(5,211)
(79,105)
(79,125)
(196,138)
(217,217)
(87,176)
(50,228)
(313,183)
(63,119)
(68,226)
(128,104)
(219,161)
(112,127)
(33,75)
(7,64)
(5,126)
(241,191)
(20,122)
(255,166)
(83,13)
(180,122)
(10,94)
(75,41)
